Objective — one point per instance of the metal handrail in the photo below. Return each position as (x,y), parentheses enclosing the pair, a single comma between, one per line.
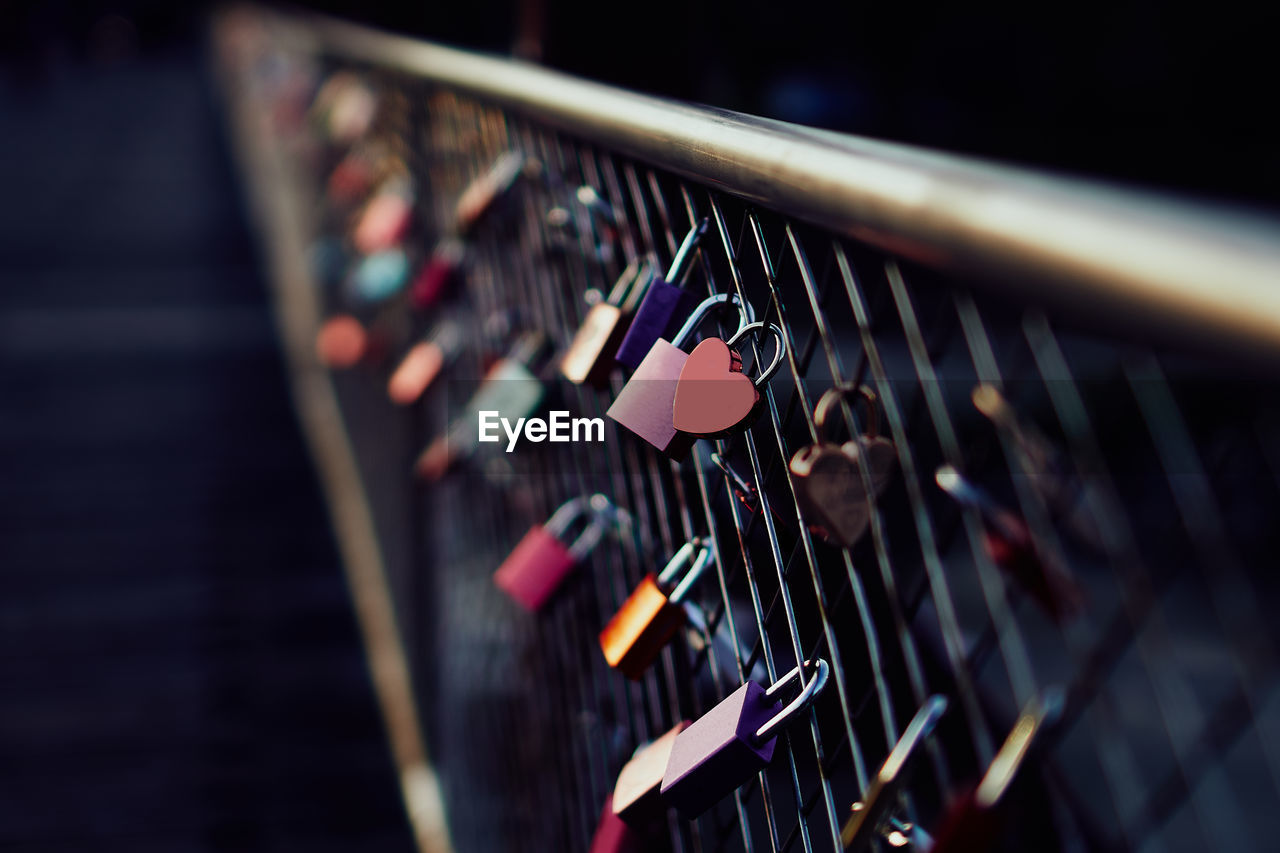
(1210,272)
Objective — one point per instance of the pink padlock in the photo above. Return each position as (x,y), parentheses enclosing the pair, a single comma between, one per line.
(645,403)
(612,835)
(541,561)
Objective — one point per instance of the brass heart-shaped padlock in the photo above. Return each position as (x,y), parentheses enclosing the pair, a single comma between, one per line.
(713,397)
(829,477)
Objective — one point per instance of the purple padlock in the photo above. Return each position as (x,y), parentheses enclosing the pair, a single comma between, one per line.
(664,305)
(537,566)
(644,404)
(732,741)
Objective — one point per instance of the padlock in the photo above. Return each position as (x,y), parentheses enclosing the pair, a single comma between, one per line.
(723,748)
(588,220)
(480,195)
(540,562)
(871,815)
(613,835)
(590,358)
(637,798)
(344,107)
(713,396)
(423,363)
(440,270)
(665,303)
(341,342)
(379,276)
(654,611)
(1041,463)
(832,492)
(360,171)
(1008,543)
(384,222)
(644,404)
(972,824)
(509,387)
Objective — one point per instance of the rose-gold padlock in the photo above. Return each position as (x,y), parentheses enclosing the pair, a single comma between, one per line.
(644,405)
(637,800)
(541,561)
(589,359)
(654,612)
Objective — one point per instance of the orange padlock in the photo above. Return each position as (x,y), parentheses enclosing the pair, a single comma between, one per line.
(653,613)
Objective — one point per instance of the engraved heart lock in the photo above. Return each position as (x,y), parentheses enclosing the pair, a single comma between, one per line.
(713,396)
(832,480)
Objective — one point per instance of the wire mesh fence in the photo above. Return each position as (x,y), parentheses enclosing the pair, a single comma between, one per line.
(1068,508)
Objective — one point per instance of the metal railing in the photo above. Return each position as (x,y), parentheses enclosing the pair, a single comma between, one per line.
(1143,476)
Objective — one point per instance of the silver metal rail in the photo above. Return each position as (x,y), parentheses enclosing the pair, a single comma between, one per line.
(1193,269)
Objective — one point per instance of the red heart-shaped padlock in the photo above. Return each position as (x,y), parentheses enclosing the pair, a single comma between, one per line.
(713,396)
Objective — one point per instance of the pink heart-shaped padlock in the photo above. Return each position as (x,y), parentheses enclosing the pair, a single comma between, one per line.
(713,395)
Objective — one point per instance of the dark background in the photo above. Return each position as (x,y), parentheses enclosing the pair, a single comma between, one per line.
(1164,94)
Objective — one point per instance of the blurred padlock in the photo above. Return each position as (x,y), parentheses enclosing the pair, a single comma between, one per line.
(587,224)
(1042,465)
(379,276)
(723,748)
(665,303)
(654,612)
(423,363)
(644,405)
(341,342)
(829,477)
(590,358)
(613,835)
(1008,542)
(713,396)
(484,191)
(385,220)
(363,168)
(541,561)
(872,813)
(344,108)
(509,387)
(972,825)
(440,270)
(637,798)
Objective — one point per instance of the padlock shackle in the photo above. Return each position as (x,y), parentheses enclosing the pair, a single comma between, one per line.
(1039,714)
(778,354)
(595,204)
(680,263)
(705,551)
(798,704)
(631,284)
(966,493)
(833,395)
(746,491)
(703,308)
(872,813)
(599,511)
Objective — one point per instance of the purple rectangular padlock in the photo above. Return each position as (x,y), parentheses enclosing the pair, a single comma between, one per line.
(719,751)
(732,741)
(664,306)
